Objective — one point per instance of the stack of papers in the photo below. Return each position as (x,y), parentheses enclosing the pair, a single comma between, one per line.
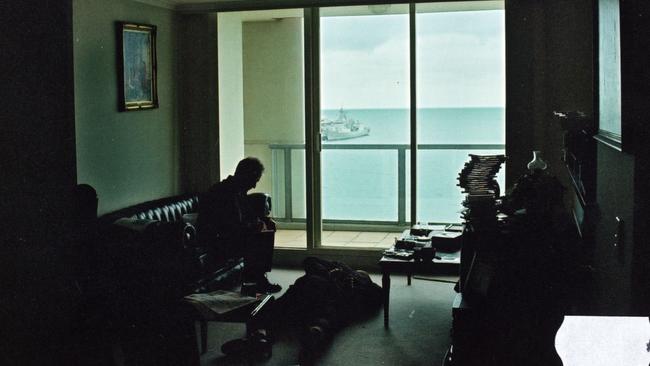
(218,302)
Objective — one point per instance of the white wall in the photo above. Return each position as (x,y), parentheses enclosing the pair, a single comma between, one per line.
(231,114)
(273,88)
(129,157)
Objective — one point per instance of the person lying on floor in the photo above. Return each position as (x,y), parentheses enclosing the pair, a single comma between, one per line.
(326,298)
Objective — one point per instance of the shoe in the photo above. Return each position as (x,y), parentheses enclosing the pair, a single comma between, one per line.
(260,346)
(257,346)
(266,287)
(313,344)
(317,333)
(237,346)
(315,336)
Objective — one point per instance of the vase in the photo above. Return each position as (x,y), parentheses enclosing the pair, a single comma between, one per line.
(537,163)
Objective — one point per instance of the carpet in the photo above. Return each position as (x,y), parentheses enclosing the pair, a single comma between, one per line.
(419,331)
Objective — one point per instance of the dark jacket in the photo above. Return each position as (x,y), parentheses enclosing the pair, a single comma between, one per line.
(220,223)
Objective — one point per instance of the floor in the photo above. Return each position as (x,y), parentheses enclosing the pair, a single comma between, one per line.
(348,239)
(420,322)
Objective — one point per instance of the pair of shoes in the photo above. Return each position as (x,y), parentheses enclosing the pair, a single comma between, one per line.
(257,346)
(266,287)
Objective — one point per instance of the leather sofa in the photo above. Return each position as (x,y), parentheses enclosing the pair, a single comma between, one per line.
(153,244)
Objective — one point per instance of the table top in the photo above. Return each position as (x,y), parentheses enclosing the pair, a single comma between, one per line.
(238,314)
(444,257)
(446,254)
(396,264)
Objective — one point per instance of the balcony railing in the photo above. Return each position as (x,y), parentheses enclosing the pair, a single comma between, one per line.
(284,156)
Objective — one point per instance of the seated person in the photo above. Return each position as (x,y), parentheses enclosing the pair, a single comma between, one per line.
(229,230)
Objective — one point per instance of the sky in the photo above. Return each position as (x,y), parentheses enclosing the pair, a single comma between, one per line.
(460,60)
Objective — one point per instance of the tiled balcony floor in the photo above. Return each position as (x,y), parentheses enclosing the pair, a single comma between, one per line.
(348,239)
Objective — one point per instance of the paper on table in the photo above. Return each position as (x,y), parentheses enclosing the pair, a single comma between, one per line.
(219,302)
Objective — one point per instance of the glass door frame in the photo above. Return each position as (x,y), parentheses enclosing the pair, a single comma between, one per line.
(313,140)
(313,146)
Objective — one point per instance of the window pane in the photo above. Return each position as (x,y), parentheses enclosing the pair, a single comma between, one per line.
(365,101)
(261,93)
(609,67)
(460,80)
(362,190)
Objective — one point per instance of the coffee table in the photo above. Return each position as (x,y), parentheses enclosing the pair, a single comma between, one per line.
(244,314)
(389,265)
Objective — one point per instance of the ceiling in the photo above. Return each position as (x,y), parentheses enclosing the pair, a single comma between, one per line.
(171,4)
(213,5)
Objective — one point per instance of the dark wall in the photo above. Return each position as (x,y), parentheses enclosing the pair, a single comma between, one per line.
(622,176)
(37,149)
(197,39)
(524,97)
(568,79)
(635,76)
(37,144)
(550,60)
(612,257)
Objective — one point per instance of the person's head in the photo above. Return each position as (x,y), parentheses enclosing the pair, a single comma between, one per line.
(248,172)
(84,201)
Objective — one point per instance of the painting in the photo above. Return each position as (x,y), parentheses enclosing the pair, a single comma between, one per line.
(136,66)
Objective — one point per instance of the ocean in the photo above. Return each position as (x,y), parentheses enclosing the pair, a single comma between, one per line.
(362,184)
(435,125)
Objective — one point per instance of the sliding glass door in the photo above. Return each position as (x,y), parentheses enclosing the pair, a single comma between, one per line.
(363,115)
(261,112)
(364,124)
(460,78)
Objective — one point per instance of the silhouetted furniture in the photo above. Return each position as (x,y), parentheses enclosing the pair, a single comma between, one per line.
(162,232)
(512,302)
(579,156)
(153,260)
(513,281)
(244,314)
(410,267)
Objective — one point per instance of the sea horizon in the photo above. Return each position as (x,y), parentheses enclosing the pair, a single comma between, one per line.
(362,184)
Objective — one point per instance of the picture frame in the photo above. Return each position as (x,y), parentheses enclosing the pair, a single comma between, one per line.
(136,66)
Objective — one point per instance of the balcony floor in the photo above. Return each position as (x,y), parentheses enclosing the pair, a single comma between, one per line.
(349,239)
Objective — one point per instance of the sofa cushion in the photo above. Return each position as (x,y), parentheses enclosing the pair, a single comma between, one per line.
(164,209)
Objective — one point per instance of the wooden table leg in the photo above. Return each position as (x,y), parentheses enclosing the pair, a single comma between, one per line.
(204,336)
(385,285)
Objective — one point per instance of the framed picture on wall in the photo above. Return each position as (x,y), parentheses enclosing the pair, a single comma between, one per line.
(136,66)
